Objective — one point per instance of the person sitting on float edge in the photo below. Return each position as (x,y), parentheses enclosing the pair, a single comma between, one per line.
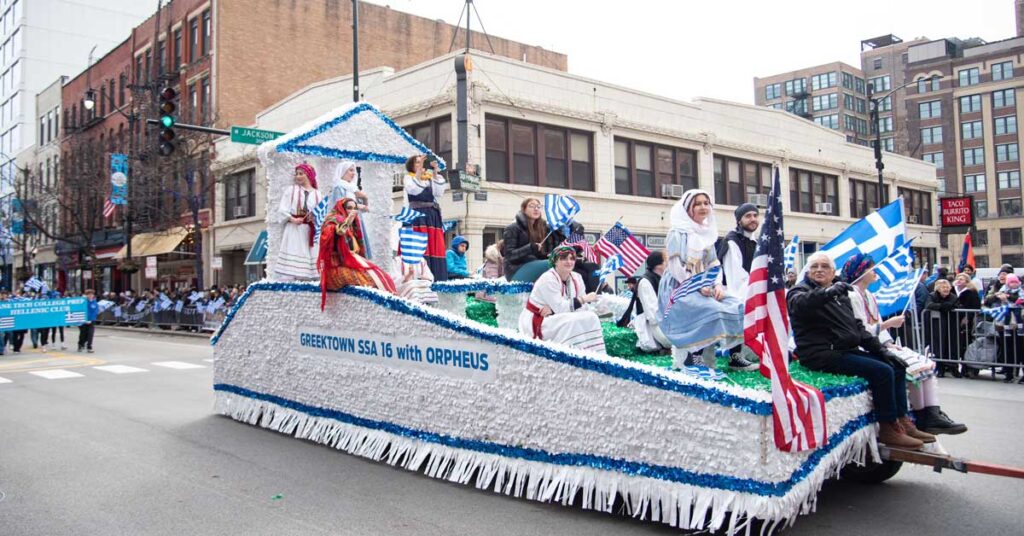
(527,241)
(456,258)
(829,338)
(554,311)
(645,323)
(924,393)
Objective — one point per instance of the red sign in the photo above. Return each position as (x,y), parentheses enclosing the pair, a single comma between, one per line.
(957,211)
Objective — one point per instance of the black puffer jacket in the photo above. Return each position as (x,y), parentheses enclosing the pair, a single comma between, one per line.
(824,325)
(518,248)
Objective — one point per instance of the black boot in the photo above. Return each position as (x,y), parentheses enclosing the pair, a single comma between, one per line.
(935,421)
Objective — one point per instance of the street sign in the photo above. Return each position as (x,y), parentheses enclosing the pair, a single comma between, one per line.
(252,136)
(217,263)
(151,272)
(151,261)
(470,183)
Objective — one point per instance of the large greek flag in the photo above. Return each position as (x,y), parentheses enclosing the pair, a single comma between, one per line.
(559,210)
(413,245)
(895,266)
(894,299)
(877,235)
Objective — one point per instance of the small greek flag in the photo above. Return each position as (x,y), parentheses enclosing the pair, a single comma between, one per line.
(104,305)
(611,265)
(700,371)
(407,216)
(560,210)
(320,214)
(789,256)
(179,306)
(73,318)
(895,266)
(704,279)
(447,226)
(35,285)
(997,313)
(7,322)
(894,298)
(412,244)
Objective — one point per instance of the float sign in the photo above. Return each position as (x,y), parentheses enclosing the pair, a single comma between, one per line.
(957,211)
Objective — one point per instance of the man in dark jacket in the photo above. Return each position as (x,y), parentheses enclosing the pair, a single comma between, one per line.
(830,338)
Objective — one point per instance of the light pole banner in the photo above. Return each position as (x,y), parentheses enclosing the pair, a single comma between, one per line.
(119,179)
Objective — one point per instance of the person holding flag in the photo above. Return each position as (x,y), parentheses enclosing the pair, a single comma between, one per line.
(341,262)
(554,311)
(423,189)
(528,241)
(698,320)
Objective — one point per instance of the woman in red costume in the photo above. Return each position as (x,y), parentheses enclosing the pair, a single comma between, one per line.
(341,260)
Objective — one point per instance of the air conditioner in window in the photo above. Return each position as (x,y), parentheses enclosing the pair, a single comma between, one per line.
(823,208)
(241,212)
(672,191)
(759,200)
(398,182)
(911,218)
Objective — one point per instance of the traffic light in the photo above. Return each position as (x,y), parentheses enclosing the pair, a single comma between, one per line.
(167,120)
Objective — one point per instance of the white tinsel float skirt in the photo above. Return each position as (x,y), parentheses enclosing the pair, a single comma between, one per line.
(695,322)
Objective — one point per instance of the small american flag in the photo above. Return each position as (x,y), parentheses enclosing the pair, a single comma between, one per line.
(407,215)
(704,279)
(618,240)
(798,410)
(577,239)
(108,208)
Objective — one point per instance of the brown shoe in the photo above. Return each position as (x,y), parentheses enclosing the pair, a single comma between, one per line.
(891,433)
(912,431)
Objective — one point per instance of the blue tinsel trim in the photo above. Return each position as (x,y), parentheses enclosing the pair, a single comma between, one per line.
(633,468)
(489,285)
(292,145)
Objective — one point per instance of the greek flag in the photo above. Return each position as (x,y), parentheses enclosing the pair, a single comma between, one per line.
(320,214)
(35,285)
(448,224)
(412,244)
(407,216)
(611,265)
(894,298)
(895,266)
(7,322)
(789,256)
(695,283)
(997,313)
(74,318)
(560,210)
(877,235)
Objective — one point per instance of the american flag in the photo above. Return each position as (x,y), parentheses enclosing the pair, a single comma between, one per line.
(577,239)
(696,282)
(108,208)
(798,410)
(619,241)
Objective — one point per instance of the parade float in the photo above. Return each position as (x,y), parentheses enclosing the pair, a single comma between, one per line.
(469,400)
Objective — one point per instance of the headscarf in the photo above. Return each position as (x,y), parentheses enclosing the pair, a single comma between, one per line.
(555,254)
(343,188)
(309,171)
(699,237)
(857,266)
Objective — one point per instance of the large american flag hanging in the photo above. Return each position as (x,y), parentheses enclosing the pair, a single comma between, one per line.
(798,410)
(619,241)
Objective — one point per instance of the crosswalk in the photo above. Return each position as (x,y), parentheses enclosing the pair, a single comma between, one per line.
(83,372)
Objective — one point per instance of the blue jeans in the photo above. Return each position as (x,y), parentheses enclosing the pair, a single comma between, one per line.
(888,387)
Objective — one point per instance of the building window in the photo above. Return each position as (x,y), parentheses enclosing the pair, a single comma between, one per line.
(885,124)
(736,180)
(969,77)
(974,156)
(1007,152)
(970,130)
(1014,259)
(1009,207)
(824,102)
(849,102)
(859,86)
(918,205)
(848,80)
(240,195)
(928,110)
(888,144)
(970,103)
(1001,99)
(979,238)
(936,158)
(925,85)
(42,131)
(193,101)
(931,135)
(823,81)
(864,198)
(644,169)
(207,32)
(1006,125)
(206,106)
(436,134)
(177,50)
(796,86)
(974,183)
(1010,237)
(798,106)
(1002,71)
(981,208)
(885,105)
(772,91)
(1008,179)
(880,83)
(193,39)
(138,69)
(807,191)
(567,154)
(876,63)
(122,82)
(161,57)
(828,121)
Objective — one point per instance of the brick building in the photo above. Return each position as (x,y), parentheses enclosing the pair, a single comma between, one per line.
(228,61)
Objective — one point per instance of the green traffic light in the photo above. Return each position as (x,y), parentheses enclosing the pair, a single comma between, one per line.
(167,121)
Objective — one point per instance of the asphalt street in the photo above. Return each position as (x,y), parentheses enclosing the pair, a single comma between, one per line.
(125,441)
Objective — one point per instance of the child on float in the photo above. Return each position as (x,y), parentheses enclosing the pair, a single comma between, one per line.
(710,316)
(554,311)
(456,258)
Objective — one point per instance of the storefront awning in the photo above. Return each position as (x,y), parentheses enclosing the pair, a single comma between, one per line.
(258,252)
(151,244)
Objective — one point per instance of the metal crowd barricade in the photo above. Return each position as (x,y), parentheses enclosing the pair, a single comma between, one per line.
(967,337)
(189,318)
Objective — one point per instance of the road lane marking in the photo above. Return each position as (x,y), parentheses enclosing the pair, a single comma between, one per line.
(120,369)
(56,374)
(5,380)
(26,365)
(208,360)
(177,365)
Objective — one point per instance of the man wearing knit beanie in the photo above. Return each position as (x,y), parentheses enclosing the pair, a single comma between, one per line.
(737,255)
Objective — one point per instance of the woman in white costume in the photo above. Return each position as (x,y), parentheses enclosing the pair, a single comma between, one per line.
(414,281)
(296,258)
(347,186)
(554,310)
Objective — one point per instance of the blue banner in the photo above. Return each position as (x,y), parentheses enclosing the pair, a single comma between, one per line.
(119,179)
(33,314)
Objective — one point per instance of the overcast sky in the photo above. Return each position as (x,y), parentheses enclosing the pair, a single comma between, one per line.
(689,48)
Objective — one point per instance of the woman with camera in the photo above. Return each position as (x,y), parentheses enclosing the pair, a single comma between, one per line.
(424,186)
